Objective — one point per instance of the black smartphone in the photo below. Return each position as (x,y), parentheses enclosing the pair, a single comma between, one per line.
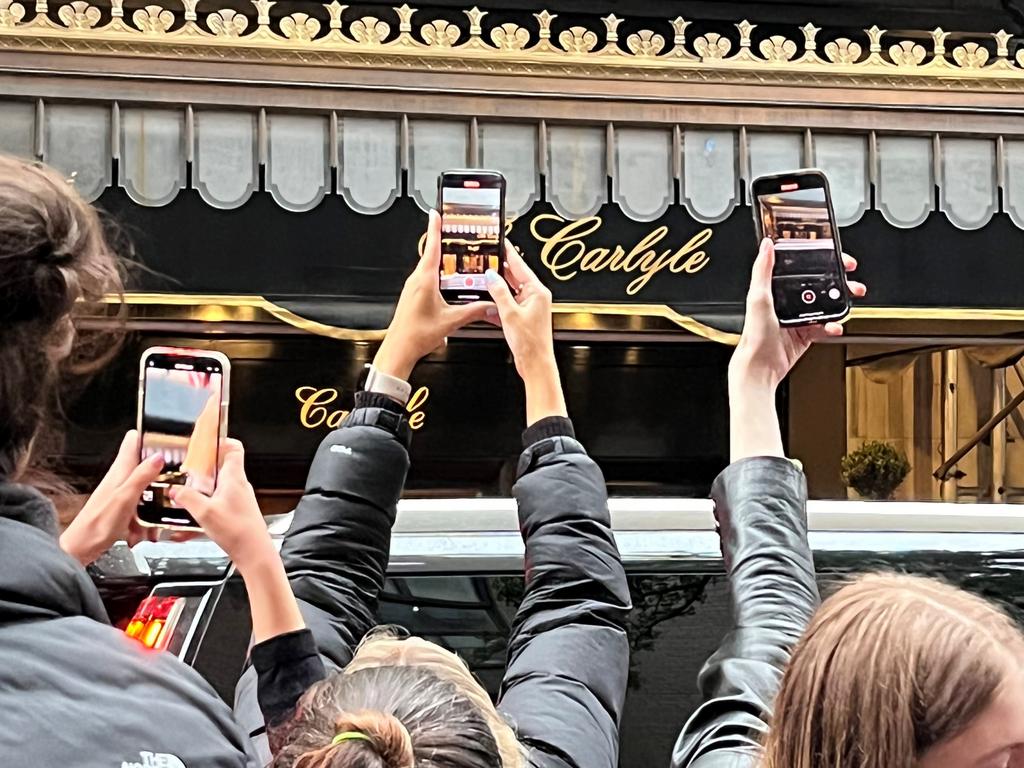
(183,410)
(809,282)
(472,207)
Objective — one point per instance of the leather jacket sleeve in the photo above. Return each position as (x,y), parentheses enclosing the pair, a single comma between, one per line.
(760,508)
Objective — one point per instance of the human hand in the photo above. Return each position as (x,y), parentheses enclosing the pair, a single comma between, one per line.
(110,513)
(767,351)
(423,319)
(231,517)
(526,320)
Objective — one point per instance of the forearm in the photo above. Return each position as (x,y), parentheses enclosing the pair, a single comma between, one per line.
(544,396)
(273,606)
(753,417)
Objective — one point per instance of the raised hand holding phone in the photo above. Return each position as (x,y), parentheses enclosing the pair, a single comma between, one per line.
(794,210)
(472,207)
(422,319)
(766,353)
(526,319)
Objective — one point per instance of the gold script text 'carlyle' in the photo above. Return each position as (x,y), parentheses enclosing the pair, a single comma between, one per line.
(314,411)
(565,252)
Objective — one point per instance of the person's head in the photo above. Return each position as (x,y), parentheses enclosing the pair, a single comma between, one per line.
(52,253)
(400,703)
(902,672)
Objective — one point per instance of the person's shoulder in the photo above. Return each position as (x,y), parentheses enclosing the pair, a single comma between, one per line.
(730,757)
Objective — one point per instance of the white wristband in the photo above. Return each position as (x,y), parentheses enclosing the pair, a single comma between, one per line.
(397,389)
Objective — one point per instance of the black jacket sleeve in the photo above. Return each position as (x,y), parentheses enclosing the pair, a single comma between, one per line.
(568,664)
(760,509)
(336,550)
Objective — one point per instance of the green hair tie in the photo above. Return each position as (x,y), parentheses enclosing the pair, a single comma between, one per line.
(349,736)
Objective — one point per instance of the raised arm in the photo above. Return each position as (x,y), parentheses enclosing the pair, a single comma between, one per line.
(568,663)
(760,502)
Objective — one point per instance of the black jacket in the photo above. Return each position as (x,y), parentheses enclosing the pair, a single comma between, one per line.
(565,683)
(74,691)
(760,508)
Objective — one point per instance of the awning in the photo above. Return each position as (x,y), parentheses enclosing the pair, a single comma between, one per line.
(299,158)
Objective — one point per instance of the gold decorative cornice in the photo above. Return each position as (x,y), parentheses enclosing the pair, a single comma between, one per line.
(411,40)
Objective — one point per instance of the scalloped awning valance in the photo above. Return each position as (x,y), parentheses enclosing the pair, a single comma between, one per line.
(373,160)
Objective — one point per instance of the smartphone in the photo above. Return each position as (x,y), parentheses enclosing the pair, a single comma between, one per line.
(472,206)
(183,415)
(809,281)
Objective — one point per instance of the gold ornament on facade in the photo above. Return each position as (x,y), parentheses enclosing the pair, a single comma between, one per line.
(646,43)
(611,36)
(227,23)
(907,54)
(728,54)
(746,30)
(440,34)
(300,27)
(578,40)
(679,52)
(970,56)
(153,20)
(510,37)
(79,15)
(10,14)
(712,47)
(843,51)
(778,49)
(370,31)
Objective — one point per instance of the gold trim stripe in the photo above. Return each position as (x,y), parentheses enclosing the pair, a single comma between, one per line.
(418,42)
(210,308)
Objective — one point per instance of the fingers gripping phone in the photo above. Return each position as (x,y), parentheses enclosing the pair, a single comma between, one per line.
(183,415)
(472,206)
(809,281)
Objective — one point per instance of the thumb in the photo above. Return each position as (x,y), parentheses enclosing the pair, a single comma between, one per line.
(195,503)
(761,275)
(460,315)
(764,264)
(501,293)
(232,468)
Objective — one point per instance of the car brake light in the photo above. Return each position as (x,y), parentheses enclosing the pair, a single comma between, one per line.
(154,621)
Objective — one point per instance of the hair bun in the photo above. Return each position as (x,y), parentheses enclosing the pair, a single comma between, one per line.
(386,735)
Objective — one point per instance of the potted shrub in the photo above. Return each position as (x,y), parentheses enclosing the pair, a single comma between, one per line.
(875,470)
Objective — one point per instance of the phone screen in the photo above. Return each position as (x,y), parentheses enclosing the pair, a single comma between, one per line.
(181,412)
(472,211)
(808,283)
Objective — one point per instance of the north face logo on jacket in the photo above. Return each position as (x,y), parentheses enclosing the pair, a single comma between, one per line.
(155,760)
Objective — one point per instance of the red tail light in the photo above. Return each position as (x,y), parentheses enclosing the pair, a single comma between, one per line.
(154,621)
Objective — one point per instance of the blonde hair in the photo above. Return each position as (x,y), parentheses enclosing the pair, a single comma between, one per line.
(383,649)
(890,666)
(399,703)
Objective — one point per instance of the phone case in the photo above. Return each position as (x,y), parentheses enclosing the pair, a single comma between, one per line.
(225,398)
(439,206)
(759,231)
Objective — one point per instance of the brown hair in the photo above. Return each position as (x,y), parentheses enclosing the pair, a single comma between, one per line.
(889,667)
(410,718)
(53,253)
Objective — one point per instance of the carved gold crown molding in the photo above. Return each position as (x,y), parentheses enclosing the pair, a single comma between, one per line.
(732,55)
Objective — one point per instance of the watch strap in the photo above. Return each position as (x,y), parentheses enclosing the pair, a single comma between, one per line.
(386,384)
(394,423)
